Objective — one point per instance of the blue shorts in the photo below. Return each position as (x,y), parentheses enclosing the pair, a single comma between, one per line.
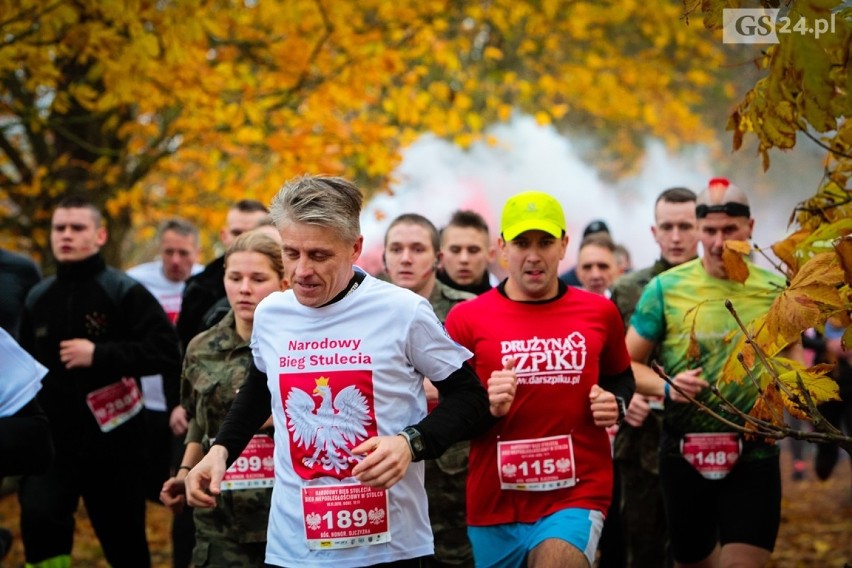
(507,545)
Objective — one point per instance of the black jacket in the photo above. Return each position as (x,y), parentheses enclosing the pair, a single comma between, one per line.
(18,274)
(202,291)
(132,336)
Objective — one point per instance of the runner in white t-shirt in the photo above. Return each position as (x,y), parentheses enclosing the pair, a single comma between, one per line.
(340,360)
(165,278)
(166,420)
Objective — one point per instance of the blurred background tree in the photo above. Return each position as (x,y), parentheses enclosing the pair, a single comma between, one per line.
(155,108)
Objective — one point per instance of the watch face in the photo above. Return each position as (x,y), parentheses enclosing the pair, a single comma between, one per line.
(415,440)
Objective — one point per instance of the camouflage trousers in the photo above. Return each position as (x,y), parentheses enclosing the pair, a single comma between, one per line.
(642,511)
(446,478)
(644,517)
(227,553)
(233,534)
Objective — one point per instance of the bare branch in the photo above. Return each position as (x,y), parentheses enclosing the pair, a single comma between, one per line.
(776,265)
(760,428)
(822,145)
(704,408)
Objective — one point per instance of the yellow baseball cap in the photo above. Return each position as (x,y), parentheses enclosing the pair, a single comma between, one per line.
(532,210)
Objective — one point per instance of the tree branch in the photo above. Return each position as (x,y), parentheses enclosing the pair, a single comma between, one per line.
(776,265)
(24,171)
(37,143)
(822,145)
(754,426)
(828,433)
(81,142)
(147,161)
(762,428)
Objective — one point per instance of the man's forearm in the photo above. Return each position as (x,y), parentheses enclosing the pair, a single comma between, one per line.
(648,383)
(247,413)
(622,385)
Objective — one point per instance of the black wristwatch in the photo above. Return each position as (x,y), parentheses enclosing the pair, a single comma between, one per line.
(415,442)
(622,409)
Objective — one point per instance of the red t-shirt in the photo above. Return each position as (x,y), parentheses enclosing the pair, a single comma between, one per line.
(561,348)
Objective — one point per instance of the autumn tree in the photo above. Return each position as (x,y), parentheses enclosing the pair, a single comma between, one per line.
(179,107)
(805,90)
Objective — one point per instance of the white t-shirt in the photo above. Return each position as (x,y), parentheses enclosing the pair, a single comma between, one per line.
(168,292)
(20,375)
(357,368)
(170,295)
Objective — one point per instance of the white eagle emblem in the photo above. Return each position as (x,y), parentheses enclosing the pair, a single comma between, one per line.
(313,520)
(376,516)
(332,428)
(510,470)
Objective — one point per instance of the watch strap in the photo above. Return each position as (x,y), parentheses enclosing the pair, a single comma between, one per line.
(415,442)
(622,409)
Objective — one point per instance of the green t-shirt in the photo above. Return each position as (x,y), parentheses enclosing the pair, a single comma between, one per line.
(686,296)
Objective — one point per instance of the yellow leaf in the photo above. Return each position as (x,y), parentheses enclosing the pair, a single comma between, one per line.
(796,310)
(733,371)
(742,247)
(492,52)
(821,269)
(785,250)
(844,255)
(693,350)
(735,266)
(558,111)
(769,406)
(149,45)
(812,296)
(846,341)
(816,380)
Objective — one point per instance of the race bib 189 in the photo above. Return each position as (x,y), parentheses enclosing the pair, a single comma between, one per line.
(344,516)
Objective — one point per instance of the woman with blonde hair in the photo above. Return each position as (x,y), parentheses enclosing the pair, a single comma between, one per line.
(216,364)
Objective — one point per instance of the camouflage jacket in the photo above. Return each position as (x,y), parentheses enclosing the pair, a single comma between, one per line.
(443,298)
(216,365)
(627,290)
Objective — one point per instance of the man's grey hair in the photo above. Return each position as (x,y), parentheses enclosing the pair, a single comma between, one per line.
(180,226)
(331,202)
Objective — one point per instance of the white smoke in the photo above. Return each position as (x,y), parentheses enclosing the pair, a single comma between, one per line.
(436,178)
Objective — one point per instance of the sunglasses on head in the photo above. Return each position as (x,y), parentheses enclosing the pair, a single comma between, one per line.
(731,209)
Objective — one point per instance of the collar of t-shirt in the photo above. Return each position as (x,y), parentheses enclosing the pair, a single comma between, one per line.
(354,282)
(561,291)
